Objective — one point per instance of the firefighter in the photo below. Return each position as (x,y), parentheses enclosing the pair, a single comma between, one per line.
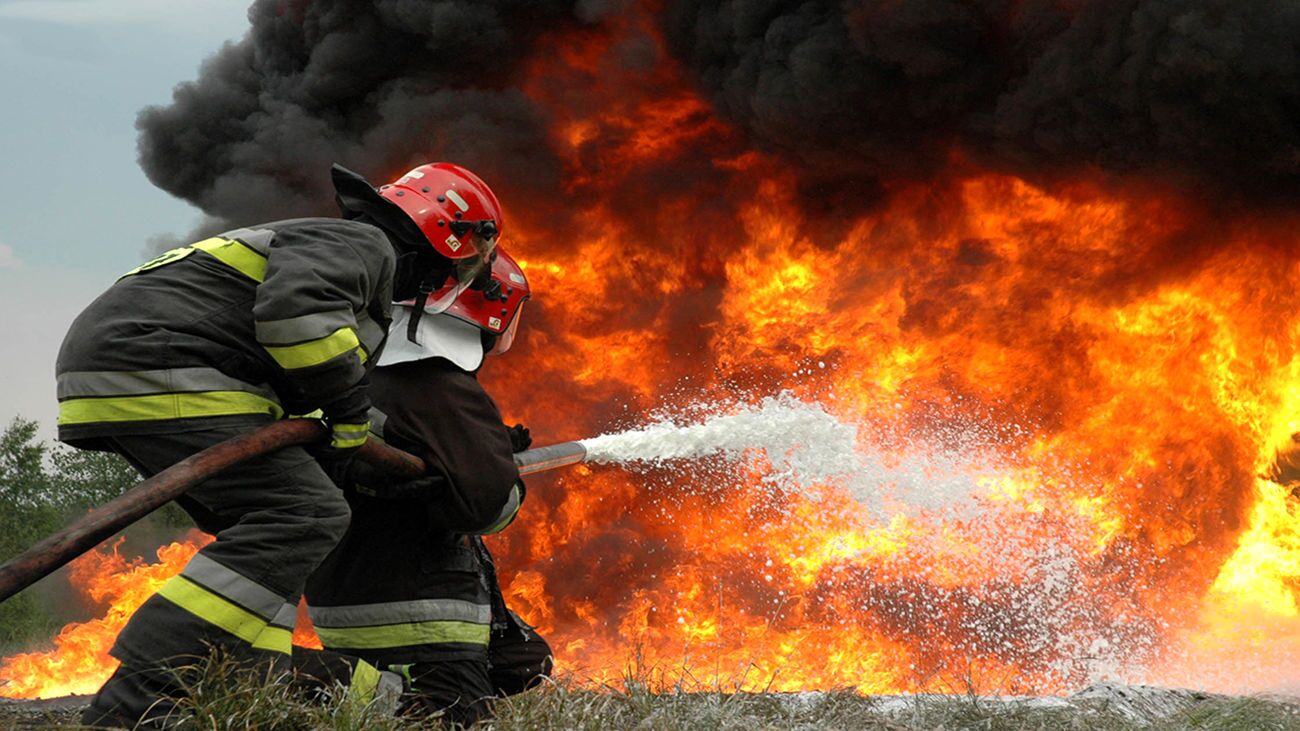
(411,586)
(212,340)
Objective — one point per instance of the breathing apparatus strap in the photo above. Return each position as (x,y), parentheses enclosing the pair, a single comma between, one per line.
(413,324)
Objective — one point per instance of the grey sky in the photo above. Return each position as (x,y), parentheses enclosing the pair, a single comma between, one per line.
(75,210)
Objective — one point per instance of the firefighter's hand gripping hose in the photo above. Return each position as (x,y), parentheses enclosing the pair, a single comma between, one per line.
(56,550)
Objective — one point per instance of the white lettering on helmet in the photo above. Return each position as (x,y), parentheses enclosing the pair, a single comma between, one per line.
(455,198)
(454,243)
(494,323)
(413,174)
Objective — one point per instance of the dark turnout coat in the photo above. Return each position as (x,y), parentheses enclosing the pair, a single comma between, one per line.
(237,329)
(405,584)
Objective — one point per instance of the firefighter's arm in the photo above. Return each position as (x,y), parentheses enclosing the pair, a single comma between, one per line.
(319,278)
(441,414)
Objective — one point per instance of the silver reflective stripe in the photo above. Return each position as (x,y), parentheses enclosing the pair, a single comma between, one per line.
(420,610)
(257,239)
(377,421)
(369,332)
(303,328)
(78,384)
(506,515)
(287,616)
(233,586)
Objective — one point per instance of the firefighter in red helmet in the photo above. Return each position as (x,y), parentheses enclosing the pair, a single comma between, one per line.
(214,339)
(412,587)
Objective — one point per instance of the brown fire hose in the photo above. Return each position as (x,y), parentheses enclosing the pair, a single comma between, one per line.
(56,550)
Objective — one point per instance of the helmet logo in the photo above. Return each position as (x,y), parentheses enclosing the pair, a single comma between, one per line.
(517,278)
(454,243)
(413,174)
(454,197)
(494,323)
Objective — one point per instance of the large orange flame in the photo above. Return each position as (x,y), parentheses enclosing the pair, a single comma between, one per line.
(1093,375)
(79,662)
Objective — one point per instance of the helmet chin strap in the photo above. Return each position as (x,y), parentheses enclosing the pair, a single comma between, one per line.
(427,287)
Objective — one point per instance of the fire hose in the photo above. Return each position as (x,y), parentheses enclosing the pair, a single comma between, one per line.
(58,549)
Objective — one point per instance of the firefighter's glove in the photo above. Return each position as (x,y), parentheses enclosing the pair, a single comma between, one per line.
(429,488)
(348,419)
(520,439)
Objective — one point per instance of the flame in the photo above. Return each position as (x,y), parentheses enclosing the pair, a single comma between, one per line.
(1095,378)
(79,662)
(1122,360)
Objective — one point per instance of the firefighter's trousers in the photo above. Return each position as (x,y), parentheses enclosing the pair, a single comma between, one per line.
(275,518)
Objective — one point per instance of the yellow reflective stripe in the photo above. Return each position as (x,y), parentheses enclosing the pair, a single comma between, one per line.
(166,257)
(235,255)
(160,406)
(403,635)
(275,639)
(315,352)
(365,679)
(347,436)
(213,608)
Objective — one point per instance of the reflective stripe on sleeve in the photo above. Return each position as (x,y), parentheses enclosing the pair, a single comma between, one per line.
(218,611)
(314,352)
(165,406)
(507,514)
(234,586)
(349,436)
(303,328)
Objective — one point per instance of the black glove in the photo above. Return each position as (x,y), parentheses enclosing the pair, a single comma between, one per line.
(348,418)
(426,489)
(520,439)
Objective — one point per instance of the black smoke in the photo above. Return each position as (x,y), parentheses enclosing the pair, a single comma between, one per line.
(854,93)
(1204,93)
(376,85)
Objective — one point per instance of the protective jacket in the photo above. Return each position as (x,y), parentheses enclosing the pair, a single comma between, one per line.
(406,584)
(236,329)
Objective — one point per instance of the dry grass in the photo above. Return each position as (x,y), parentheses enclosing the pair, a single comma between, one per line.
(224,698)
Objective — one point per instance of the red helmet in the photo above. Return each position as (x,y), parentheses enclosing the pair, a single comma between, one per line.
(459,215)
(497,307)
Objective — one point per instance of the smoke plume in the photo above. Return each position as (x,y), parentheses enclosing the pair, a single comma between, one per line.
(1206,93)
(378,86)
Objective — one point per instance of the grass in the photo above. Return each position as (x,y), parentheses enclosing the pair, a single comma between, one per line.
(224,697)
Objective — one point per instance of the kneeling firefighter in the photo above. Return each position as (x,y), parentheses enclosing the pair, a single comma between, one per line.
(213,340)
(411,587)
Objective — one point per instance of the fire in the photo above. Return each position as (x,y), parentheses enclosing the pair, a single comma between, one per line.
(79,662)
(1073,390)
(1102,369)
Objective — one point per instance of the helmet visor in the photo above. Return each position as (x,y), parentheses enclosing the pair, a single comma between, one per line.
(471,272)
(507,338)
